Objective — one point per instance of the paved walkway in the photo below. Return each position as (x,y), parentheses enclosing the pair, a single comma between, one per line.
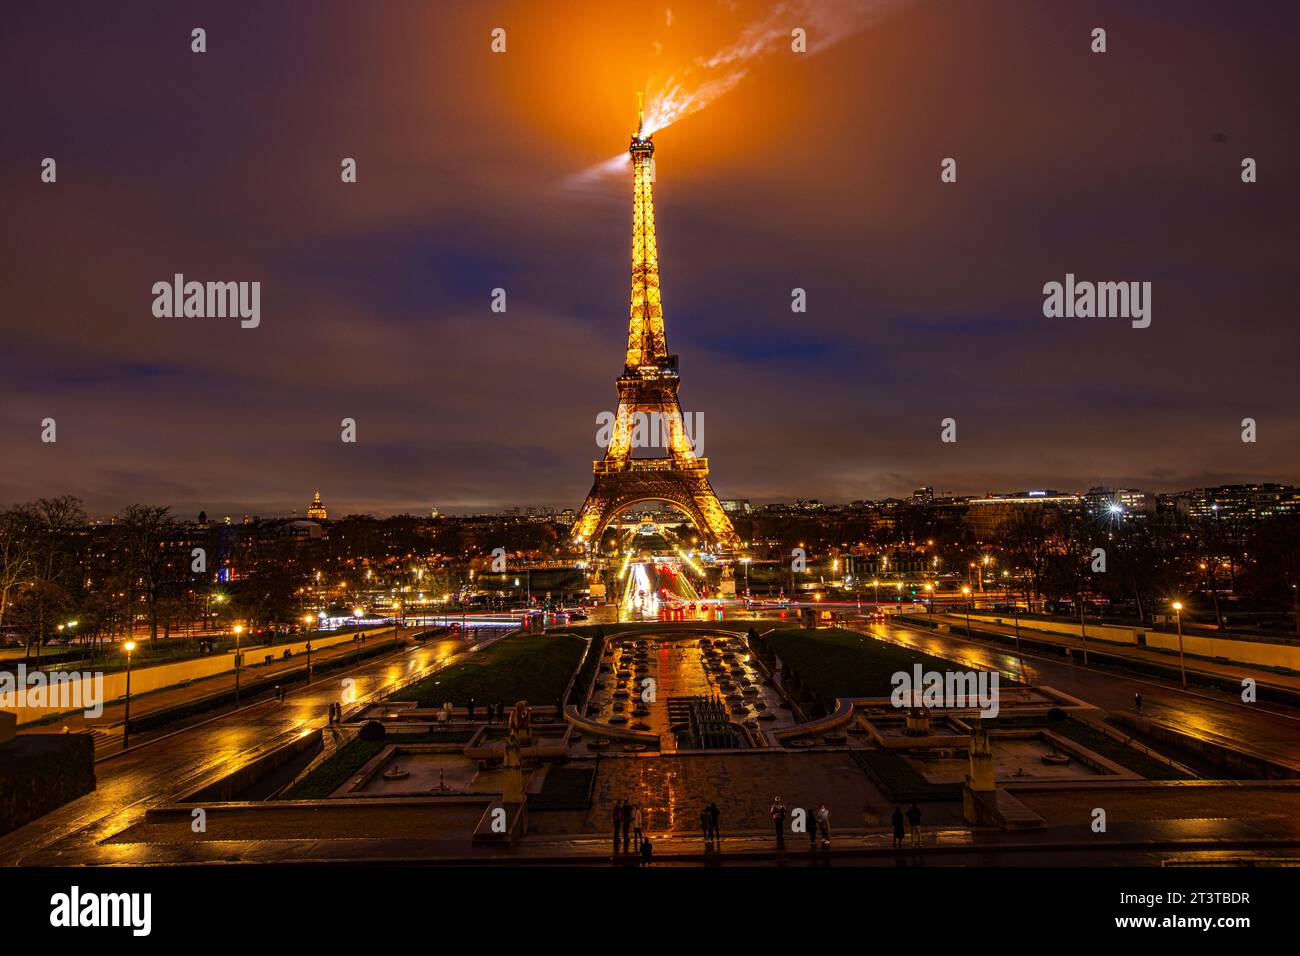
(1194,665)
(1149,843)
(108,727)
(172,766)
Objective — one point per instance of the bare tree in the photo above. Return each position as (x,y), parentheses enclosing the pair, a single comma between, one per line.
(144,528)
(16,545)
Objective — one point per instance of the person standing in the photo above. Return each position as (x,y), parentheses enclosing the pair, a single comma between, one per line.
(914,818)
(778,821)
(706,825)
(618,821)
(470,709)
(627,824)
(647,851)
(897,820)
(1137,703)
(636,825)
(824,824)
(715,816)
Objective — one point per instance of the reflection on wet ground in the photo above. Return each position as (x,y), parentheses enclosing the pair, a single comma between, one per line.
(644,681)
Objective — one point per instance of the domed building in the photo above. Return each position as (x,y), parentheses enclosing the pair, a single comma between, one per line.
(316,510)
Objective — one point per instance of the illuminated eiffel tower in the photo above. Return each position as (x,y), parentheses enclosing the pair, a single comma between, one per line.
(648,387)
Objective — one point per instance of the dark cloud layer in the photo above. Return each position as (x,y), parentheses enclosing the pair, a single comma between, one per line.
(819,172)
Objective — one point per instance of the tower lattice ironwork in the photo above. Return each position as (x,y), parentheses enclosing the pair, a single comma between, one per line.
(648,387)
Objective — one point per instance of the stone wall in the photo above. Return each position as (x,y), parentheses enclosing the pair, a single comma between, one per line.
(40,772)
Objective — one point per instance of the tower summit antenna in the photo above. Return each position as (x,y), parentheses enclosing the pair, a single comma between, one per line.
(640,114)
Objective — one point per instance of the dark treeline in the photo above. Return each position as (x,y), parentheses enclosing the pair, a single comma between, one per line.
(149,573)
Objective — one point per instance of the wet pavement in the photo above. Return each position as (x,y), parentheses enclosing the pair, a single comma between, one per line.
(1188,822)
(1272,729)
(172,766)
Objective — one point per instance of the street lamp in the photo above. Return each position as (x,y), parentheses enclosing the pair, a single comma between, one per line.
(1178,617)
(238,629)
(966,591)
(929,600)
(129,646)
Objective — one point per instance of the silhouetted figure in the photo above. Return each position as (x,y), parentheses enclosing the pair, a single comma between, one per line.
(1137,702)
(647,851)
(469,708)
(897,820)
(778,821)
(914,818)
(706,824)
(824,824)
(714,818)
(627,824)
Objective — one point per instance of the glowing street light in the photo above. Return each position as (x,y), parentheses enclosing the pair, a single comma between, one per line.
(129,646)
(1178,617)
(966,591)
(239,630)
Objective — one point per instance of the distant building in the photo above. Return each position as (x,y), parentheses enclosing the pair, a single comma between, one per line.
(1118,504)
(735,505)
(986,516)
(302,530)
(1253,502)
(316,510)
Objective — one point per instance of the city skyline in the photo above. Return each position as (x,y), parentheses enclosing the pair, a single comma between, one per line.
(377,303)
(555,509)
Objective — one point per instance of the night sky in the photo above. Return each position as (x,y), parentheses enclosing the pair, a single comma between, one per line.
(475,171)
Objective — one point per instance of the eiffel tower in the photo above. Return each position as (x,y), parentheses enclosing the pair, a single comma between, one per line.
(648,386)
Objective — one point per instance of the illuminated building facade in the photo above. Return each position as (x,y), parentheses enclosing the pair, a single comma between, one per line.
(316,510)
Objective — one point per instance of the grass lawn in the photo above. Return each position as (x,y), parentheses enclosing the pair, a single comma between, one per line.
(832,662)
(533,667)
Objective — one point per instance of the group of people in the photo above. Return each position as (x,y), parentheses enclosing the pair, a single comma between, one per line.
(336,713)
(628,824)
(495,712)
(710,817)
(820,825)
(913,820)
(628,821)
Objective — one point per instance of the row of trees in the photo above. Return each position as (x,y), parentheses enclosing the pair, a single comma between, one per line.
(61,579)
